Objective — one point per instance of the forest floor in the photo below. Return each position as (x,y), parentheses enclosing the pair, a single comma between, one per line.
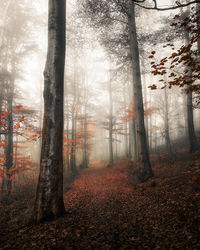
(106,210)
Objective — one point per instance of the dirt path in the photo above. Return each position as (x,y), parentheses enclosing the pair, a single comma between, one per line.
(105,212)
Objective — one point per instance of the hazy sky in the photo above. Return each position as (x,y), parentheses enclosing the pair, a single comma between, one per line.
(35,65)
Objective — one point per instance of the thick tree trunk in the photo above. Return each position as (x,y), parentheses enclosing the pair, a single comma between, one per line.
(137,88)
(49,197)
(190,122)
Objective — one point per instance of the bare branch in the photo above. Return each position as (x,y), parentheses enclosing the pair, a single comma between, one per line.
(155,7)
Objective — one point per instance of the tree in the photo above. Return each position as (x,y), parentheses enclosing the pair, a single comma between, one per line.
(110,120)
(182,67)
(138,99)
(14,45)
(107,13)
(49,196)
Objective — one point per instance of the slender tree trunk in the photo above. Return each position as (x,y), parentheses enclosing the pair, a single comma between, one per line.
(49,196)
(41,112)
(84,128)
(145,101)
(146,170)
(191,131)
(9,138)
(67,127)
(130,121)
(198,26)
(151,127)
(125,125)
(73,148)
(110,125)
(1,104)
(134,144)
(85,122)
(67,156)
(74,116)
(166,122)
(129,139)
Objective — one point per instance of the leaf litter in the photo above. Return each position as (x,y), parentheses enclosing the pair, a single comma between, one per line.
(105,210)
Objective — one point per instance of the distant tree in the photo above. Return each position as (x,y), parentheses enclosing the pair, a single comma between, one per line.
(105,13)
(14,44)
(182,67)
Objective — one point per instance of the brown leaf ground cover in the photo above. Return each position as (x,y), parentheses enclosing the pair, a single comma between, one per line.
(106,210)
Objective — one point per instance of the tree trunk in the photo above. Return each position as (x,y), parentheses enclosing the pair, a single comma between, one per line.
(198,27)
(150,127)
(191,131)
(135,152)
(146,170)
(110,125)
(73,147)
(9,138)
(146,103)
(190,122)
(166,122)
(130,138)
(85,122)
(67,122)
(74,116)
(49,196)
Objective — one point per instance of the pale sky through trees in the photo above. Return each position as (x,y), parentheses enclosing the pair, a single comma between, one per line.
(34,64)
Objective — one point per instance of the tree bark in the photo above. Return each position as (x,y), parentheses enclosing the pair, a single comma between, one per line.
(166,122)
(146,170)
(190,121)
(9,137)
(73,146)
(74,116)
(110,124)
(49,196)
(146,103)
(191,132)
(85,150)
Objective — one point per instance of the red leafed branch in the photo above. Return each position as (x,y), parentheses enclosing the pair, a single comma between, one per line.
(182,66)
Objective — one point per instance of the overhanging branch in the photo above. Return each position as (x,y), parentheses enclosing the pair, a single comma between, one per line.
(155,7)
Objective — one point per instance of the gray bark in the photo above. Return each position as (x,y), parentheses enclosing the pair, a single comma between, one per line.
(9,138)
(110,125)
(166,123)
(190,121)
(125,124)
(190,125)
(146,170)
(49,196)
(85,153)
